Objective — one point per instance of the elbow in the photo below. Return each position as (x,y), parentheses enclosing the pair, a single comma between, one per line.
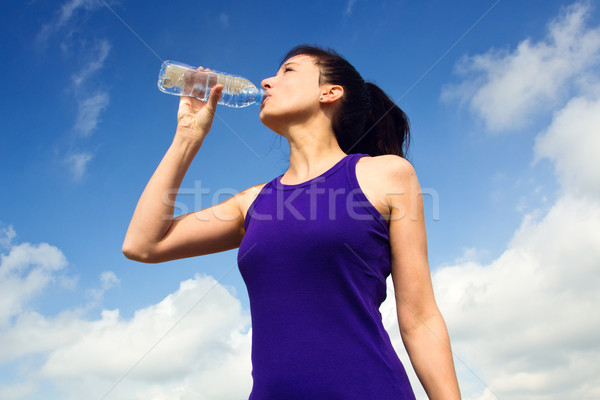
(132,254)
(409,328)
(137,253)
(412,322)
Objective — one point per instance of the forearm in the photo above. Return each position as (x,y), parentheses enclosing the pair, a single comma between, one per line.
(428,347)
(154,212)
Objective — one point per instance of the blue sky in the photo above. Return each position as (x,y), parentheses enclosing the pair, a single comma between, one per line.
(503,99)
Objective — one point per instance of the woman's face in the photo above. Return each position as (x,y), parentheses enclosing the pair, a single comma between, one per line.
(292,94)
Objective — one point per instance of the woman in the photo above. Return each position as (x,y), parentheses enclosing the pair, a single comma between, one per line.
(317,243)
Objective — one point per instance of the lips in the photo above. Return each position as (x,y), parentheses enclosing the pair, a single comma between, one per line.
(265,99)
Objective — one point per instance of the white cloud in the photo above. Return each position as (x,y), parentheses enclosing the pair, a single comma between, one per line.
(224,20)
(25,271)
(18,391)
(506,89)
(69,8)
(6,237)
(572,142)
(32,334)
(99,54)
(193,344)
(349,7)
(89,107)
(527,322)
(205,350)
(88,114)
(66,12)
(77,164)
(108,280)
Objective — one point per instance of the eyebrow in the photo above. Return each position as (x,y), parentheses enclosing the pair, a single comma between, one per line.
(289,63)
(285,65)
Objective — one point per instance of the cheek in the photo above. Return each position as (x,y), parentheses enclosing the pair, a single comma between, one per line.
(305,96)
(291,99)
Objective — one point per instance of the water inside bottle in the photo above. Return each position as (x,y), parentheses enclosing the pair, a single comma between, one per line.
(183,80)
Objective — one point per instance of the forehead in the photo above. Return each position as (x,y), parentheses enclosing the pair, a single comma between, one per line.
(300,60)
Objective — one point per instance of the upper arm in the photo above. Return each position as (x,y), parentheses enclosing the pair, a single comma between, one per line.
(211,230)
(408,240)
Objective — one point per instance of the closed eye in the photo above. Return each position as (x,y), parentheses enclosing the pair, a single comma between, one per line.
(286,67)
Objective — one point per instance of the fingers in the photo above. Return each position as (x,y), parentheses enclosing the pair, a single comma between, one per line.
(214,97)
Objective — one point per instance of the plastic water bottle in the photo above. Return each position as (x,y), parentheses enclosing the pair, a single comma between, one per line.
(183,80)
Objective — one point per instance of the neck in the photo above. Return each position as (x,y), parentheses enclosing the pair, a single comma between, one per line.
(313,150)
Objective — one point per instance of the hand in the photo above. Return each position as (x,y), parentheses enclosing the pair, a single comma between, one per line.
(195,117)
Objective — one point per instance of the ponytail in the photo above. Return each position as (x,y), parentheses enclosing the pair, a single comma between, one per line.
(366,120)
(388,129)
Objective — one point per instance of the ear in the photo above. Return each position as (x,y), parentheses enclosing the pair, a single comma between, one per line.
(331,93)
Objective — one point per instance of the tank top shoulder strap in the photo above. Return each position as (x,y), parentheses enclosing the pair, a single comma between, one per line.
(265,189)
(351,161)
(360,196)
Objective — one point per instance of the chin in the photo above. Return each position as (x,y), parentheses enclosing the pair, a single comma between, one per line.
(266,117)
(263,117)
(270,121)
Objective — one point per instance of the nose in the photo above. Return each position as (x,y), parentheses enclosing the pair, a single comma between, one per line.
(266,83)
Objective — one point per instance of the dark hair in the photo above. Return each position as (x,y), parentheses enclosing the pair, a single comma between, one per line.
(366,120)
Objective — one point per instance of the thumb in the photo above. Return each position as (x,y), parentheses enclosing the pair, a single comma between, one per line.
(215,95)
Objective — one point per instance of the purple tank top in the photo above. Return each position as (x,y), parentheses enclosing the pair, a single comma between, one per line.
(315,257)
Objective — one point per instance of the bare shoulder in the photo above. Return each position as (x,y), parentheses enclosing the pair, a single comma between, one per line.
(386,169)
(381,176)
(246,197)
